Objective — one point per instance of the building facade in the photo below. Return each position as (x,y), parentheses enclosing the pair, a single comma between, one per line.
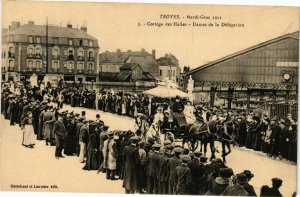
(266,70)
(60,52)
(169,69)
(112,61)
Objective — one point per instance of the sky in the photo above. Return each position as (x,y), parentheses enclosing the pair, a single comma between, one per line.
(115,25)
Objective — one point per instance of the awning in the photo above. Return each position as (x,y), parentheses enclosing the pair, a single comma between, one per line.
(164,92)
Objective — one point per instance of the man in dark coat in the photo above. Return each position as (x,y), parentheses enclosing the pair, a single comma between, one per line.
(164,170)
(249,188)
(173,163)
(60,135)
(275,137)
(274,190)
(152,171)
(197,173)
(130,156)
(237,189)
(182,176)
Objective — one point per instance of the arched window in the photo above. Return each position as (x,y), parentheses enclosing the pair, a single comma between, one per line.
(39,64)
(29,64)
(70,65)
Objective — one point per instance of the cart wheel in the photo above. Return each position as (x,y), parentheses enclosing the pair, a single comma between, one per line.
(170,136)
(193,144)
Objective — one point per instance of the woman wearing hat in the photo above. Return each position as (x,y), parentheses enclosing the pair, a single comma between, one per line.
(28,134)
(189,112)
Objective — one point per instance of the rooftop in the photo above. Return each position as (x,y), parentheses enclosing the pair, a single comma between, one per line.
(53,31)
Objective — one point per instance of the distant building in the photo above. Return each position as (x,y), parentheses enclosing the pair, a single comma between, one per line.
(168,69)
(112,61)
(72,52)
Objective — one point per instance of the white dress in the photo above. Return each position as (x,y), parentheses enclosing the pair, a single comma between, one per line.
(28,135)
(189,114)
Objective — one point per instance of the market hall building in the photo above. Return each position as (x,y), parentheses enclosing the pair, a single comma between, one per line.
(265,72)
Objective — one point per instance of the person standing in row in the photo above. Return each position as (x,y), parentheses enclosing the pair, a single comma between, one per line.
(60,135)
(28,134)
(109,152)
(182,176)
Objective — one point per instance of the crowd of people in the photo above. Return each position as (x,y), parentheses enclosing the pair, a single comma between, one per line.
(168,168)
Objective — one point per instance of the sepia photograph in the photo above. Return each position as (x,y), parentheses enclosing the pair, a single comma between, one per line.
(155,99)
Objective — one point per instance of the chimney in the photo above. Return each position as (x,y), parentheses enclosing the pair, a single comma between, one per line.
(106,51)
(69,25)
(30,23)
(166,55)
(143,50)
(4,30)
(84,28)
(118,50)
(15,25)
(153,53)
(129,51)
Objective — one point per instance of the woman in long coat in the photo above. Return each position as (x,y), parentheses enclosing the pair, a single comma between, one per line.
(110,155)
(92,159)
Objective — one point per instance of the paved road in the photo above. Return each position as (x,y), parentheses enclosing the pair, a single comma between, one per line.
(39,167)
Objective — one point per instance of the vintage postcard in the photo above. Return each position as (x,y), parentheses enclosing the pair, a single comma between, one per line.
(149,98)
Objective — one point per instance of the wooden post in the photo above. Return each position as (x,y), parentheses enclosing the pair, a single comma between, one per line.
(248,100)
(212,96)
(230,97)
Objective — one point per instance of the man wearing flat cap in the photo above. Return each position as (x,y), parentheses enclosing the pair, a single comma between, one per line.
(197,173)
(173,163)
(182,176)
(152,171)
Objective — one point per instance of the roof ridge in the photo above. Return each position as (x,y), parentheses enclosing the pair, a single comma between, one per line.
(245,50)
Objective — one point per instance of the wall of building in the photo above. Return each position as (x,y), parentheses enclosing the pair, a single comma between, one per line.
(254,66)
(164,72)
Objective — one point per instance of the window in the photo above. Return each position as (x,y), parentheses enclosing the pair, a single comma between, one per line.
(71,57)
(29,64)
(34,64)
(70,42)
(80,53)
(11,63)
(90,43)
(70,65)
(11,38)
(55,64)
(38,64)
(160,72)
(38,51)
(11,52)
(173,73)
(38,40)
(55,41)
(80,66)
(30,39)
(91,54)
(90,66)
(80,42)
(30,52)
(55,53)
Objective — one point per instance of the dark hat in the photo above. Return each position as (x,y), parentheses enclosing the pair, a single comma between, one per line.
(248,174)
(217,163)
(156,146)
(85,121)
(97,115)
(226,172)
(185,158)
(241,178)
(199,118)
(105,128)
(77,115)
(203,159)
(276,182)
(177,149)
(197,153)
